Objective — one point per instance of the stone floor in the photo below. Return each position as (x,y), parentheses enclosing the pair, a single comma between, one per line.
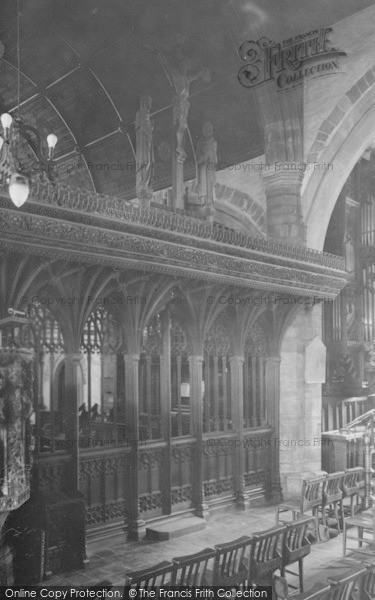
(111,559)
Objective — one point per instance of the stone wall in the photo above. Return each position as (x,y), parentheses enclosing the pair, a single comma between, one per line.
(300,400)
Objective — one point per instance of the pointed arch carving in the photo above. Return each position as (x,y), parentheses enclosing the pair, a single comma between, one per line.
(256,341)
(218,340)
(254,377)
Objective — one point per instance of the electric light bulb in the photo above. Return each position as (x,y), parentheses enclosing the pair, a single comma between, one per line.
(6,120)
(51,140)
(18,189)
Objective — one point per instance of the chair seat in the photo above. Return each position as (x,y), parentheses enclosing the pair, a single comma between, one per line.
(362,520)
(317,592)
(291,504)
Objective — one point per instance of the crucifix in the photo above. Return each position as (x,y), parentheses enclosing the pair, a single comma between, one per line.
(180,77)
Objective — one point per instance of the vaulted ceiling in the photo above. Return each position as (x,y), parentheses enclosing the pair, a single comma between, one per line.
(85,63)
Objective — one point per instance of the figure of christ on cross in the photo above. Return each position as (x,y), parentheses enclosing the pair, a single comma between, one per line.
(181,77)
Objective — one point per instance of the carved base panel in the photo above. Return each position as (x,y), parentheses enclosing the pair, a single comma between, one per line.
(217,487)
(98,513)
(181,497)
(103,483)
(255,479)
(151,505)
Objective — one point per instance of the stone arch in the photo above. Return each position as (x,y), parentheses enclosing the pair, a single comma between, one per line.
(341,140)
(240,210)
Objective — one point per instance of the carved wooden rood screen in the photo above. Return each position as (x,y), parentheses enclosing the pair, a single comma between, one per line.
(104,453)
(190,418)
(52,461)
(237,447)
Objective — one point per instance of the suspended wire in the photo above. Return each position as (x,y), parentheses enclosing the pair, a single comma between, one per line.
(18,73)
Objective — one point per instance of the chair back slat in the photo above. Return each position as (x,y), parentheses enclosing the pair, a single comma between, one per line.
(157,575)
(191,569)
(266,543)
(351,481)
(232,561)
(312,493)
(332,487)
(296,532)
(265,554)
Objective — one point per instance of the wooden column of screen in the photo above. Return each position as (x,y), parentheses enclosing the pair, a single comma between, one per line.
(273,412)
(136,525)
(236,393)
(195,364)
(165,411)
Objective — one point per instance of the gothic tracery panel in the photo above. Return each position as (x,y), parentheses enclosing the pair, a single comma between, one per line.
(217,410)
(254,378)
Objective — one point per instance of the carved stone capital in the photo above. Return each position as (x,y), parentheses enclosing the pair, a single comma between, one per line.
(236,360)
(283,177)
(131,359)
(74,358)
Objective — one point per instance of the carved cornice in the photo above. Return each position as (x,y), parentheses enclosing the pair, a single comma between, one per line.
(163,242)
(83,201)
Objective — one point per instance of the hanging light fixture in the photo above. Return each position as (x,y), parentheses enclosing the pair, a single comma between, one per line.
(18,189)
(20,177)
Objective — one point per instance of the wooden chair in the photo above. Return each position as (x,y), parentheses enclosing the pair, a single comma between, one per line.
(232,562)
(344,588)
(351,486)
(332,497)
(296,547)
(367,588)
(265,557)
(281,591)
(348,587)
(364,522)
(193,569)
(311,498)
(155,576)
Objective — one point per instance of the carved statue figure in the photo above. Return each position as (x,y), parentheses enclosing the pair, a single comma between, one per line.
(206,157)
(181,77)
(349,251)
(144,150)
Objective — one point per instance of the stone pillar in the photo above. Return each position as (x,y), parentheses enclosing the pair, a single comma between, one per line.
(195,363)
(302,371)
(283,193)
(136,524)
(72,399)
(236,389)
(273,417)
